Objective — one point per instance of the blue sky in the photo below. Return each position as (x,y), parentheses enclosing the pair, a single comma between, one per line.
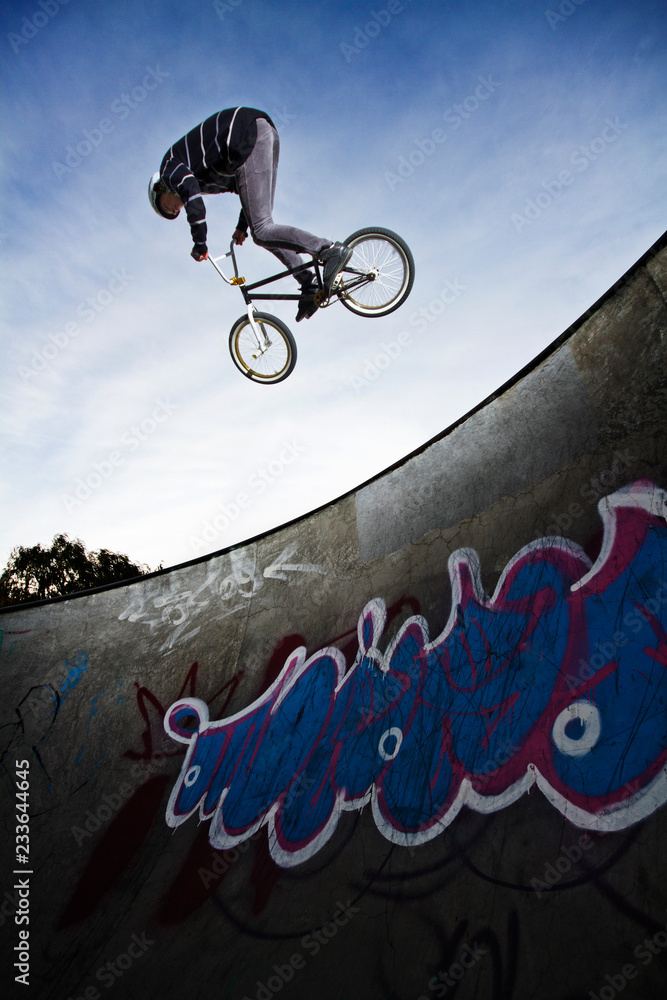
(519,148)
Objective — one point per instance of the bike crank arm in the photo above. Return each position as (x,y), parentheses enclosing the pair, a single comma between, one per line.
(341,286)
(362,279)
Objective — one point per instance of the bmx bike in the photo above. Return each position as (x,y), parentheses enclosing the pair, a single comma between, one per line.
(376,280)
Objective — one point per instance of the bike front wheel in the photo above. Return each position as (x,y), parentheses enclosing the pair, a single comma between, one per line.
(378,276)
(272,357)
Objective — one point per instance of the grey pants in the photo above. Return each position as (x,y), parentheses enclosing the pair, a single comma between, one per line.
(256,184)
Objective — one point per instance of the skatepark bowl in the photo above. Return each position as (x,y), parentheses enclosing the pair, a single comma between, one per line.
(413,744)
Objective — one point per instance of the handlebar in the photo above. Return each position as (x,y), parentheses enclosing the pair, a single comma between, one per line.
(230,253)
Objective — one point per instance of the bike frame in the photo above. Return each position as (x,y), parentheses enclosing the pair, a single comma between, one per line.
(248,291)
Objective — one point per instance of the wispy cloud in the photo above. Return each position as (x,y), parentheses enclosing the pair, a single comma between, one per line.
(116,83)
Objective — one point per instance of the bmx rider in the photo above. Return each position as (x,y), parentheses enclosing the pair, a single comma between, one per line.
(237,150)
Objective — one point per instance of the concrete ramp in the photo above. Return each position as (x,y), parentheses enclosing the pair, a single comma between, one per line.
(411,745)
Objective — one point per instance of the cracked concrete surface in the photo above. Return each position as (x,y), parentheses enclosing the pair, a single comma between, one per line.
(87,681)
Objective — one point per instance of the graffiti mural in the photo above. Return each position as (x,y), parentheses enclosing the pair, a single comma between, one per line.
(559,680)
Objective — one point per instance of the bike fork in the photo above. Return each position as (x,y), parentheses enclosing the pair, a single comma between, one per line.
(263,342)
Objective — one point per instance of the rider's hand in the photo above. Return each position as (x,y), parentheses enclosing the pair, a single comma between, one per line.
(239,236)
(198,256)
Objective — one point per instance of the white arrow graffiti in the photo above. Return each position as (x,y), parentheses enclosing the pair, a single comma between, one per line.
(279,567)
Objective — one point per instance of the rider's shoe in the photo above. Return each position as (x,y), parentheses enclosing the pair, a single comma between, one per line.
(334,259)
(307,305)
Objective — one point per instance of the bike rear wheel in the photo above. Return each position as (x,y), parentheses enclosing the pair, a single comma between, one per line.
(379,275)
(271,359)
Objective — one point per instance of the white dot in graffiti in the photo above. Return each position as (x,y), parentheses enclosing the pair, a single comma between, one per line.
(577,729)
(395,734)
(192,775)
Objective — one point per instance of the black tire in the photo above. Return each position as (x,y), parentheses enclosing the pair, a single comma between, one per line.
(276,362)
(388,262)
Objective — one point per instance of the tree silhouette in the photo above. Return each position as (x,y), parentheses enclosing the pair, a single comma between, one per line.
(37,573)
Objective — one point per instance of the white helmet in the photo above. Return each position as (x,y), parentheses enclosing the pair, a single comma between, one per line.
(156,187)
